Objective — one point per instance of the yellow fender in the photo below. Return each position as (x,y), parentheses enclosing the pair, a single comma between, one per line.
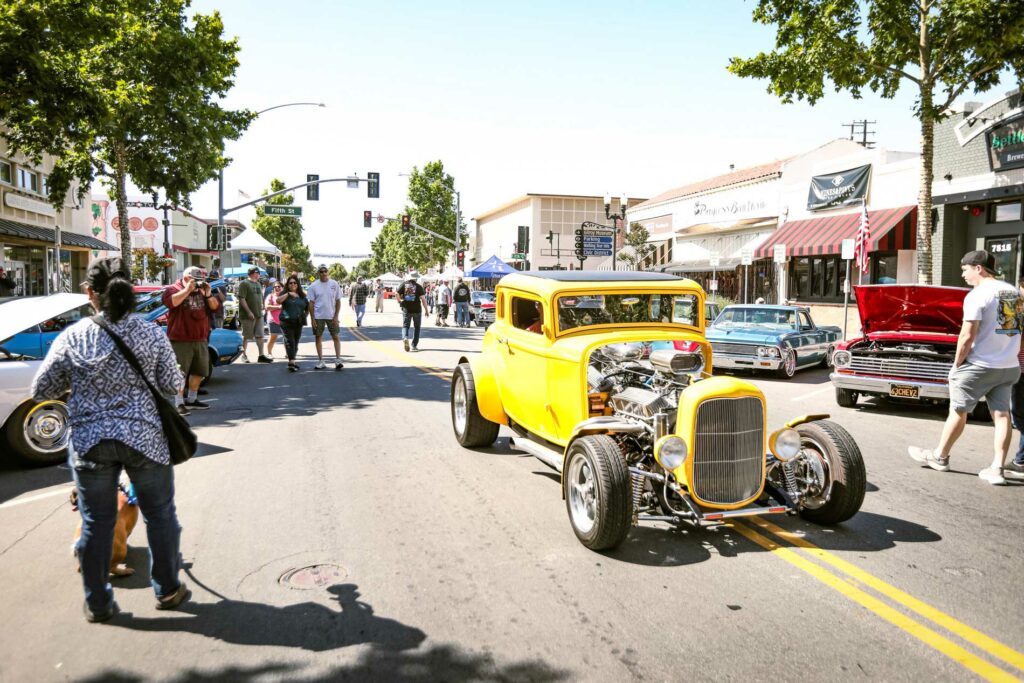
(488,400)
(807,418)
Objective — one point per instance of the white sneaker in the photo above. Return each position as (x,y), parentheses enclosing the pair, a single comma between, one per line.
(245,358)
(928,459)
(320,366)
(992,476)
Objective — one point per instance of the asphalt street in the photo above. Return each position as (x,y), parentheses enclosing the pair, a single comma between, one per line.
(445,564)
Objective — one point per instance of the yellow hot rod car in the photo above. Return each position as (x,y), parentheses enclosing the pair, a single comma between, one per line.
(605,376)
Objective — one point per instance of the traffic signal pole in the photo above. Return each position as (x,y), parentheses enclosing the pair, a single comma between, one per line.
(264,198)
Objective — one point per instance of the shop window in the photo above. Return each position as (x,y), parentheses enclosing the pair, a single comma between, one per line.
(800,278)
(6,172)
(1004,213)
(1004,249)
(884,268)
(45,186)
(817,278)
(28,180)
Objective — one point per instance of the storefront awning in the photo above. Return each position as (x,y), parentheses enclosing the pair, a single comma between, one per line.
(67,239)
(891,229)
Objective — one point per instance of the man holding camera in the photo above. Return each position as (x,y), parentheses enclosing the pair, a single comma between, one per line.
(189,302)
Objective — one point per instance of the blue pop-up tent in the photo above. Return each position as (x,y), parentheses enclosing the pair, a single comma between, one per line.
(493,267)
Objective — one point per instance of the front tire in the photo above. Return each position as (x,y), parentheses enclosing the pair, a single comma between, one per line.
(597,492)
(472,430)
(846,398)
(840,458)
(38,433)
(788,367)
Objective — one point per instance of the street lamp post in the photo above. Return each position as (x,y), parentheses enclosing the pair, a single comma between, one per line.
(623,205)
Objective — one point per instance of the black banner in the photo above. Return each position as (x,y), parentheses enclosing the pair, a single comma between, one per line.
(839,189)
(1006,145)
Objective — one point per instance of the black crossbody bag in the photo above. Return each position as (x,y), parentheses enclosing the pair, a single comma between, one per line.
(181,440)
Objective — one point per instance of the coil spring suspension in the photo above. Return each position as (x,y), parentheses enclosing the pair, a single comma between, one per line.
(787,470)
(638,492)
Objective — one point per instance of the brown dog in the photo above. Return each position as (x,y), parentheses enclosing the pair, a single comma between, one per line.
(127,517)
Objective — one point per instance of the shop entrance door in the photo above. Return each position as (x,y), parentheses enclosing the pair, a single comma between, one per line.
(1005,251)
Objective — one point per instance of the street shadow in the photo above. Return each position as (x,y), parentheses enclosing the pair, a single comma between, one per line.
(864,532)
(805,377)
(439,663)
(308,626)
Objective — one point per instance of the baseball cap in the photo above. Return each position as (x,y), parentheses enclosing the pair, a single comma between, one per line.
(980,257)
(322,268)
(254,269)
(101,271)
(214,274)
(195,272)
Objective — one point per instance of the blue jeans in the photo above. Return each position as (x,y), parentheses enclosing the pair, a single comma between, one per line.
(461,312)
(96,474)
(1017,417)
(416,319)
(360,312)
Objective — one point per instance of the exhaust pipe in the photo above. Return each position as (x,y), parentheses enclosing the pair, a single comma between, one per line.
(548,456)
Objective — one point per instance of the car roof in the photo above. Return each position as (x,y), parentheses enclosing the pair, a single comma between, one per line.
(770,307)
(548,283)
(599,275)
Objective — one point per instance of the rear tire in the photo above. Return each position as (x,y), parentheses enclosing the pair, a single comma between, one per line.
(846,398)
(38,433)
(596,484)
(472,430)
(841,456)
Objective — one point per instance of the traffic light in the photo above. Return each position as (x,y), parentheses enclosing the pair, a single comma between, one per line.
(312,191)
(406,223)
(367,218)
(373,185)
(523,243)
(213,238)
(460,259)
(579,246)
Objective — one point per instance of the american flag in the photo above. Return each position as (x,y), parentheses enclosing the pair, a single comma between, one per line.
(862,240)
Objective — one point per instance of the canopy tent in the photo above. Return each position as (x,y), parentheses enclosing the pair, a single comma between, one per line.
(451,273)
(250,240)
(242,271)
(390,278)
(493,267)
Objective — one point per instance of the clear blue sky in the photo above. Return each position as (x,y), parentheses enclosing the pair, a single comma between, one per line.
(575,97)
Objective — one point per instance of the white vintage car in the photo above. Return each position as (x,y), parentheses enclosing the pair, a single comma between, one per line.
(35,432)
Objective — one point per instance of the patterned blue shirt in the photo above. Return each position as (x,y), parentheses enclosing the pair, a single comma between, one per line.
(108,398)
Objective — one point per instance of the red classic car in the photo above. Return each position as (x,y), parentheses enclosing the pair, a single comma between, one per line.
(907,347)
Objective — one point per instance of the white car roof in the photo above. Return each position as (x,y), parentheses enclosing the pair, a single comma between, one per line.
(17,315)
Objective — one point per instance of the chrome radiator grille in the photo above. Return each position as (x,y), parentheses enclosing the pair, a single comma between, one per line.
(935,371)
(728,451)
(734,349)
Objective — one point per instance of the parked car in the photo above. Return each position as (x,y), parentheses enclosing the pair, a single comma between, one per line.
(481,308)
(35,432)
(641,438)
(907,347)
(782,339)
(711,312)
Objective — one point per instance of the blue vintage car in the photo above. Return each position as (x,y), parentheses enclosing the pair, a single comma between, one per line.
(780,339)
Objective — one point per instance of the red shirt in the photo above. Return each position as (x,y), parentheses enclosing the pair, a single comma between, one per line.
(190,320)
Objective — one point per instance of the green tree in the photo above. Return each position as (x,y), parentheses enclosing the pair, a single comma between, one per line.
(284,232)
(364,269)
(118,89)
(432,205)
(337,271)
(939,47)
(154,264)
(638,249)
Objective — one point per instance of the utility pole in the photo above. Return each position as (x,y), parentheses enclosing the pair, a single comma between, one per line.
(861,126)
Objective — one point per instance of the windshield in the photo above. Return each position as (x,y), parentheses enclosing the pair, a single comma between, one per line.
(624,309)
(483,297)
(765,318)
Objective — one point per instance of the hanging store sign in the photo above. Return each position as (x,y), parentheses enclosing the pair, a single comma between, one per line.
(1006,145)
(839,189)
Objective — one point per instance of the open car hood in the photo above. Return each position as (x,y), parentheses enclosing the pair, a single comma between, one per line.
(910,308)
(17,315)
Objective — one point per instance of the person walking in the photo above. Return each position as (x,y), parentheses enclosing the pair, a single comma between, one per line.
(1015,468)
(442,300)
(115,425)
(461,296)
(7,283)
(294,306)
(273,310)
(986,364)
(412,299)
(378,296)
(250,310)
(189,302)
(357,300)
(429,294)
(324,307)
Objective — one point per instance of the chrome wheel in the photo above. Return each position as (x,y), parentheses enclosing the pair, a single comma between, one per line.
(582,494)
(46,427)
(459,401)
(788,367)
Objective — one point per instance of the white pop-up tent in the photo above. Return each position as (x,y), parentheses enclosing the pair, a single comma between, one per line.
(252,241)
(390,279)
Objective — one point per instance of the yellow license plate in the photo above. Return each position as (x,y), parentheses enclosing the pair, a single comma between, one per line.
(904,391)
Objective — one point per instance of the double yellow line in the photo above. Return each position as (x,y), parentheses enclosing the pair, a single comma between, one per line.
(853,583)
(845,578)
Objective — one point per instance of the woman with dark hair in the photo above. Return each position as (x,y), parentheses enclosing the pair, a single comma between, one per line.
(114,425)
(294,305)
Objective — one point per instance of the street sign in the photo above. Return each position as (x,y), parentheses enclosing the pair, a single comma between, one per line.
(847,250)
(281,210)
(779,253)
(712,285)
(518,257)
(352,182)
(600,229)
(597,252)
(714,261)
(747,257)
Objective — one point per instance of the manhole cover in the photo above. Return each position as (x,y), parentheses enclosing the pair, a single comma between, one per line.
(313,576)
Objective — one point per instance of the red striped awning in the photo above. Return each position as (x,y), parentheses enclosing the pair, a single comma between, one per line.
(891,229)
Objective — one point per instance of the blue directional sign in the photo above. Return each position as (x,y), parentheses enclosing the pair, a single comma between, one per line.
(597,252)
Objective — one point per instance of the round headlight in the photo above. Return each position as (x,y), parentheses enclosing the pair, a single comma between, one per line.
(761,351)
(774,352)
(841,358)
(670,451)
(785,444)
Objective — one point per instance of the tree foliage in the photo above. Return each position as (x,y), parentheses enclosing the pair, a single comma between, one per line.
(118,89)
(284,232)
(338,272)
(154,264)
(939,47)
(638,249)
(364,269)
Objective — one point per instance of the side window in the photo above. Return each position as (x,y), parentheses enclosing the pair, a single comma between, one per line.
(6,172)
(527,314)
(805,321)
(499,308)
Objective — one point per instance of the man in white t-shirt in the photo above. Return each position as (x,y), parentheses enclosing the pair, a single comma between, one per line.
(985,366)
(324,306)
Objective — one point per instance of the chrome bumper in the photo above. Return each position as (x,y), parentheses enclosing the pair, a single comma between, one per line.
(721,360)
(880,385)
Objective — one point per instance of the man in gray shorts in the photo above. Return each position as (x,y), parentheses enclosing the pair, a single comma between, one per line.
(250,310)
(985,366)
